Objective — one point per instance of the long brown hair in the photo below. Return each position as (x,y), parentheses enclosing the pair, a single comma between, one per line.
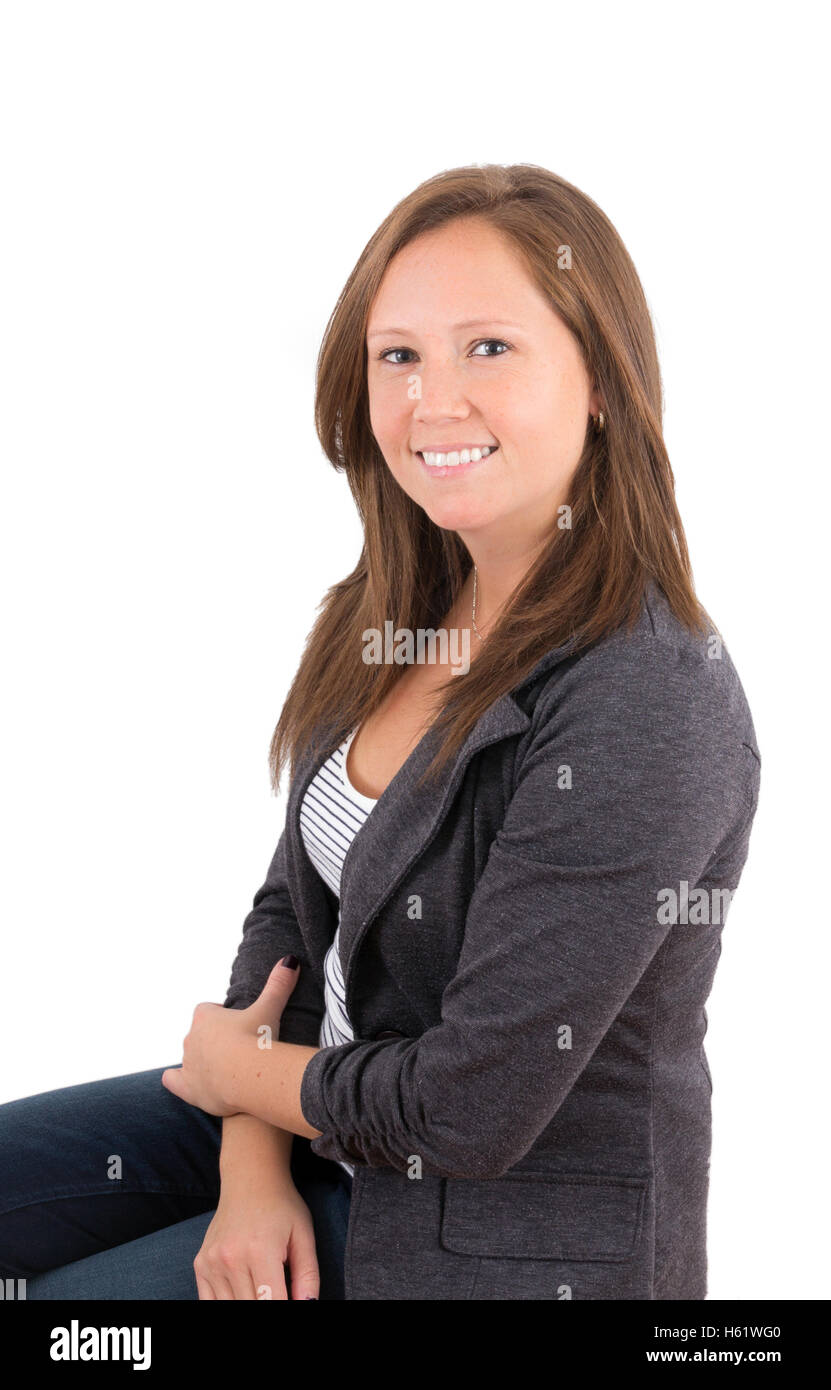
(588,579)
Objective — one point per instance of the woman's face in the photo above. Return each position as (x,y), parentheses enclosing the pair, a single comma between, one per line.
(464,350)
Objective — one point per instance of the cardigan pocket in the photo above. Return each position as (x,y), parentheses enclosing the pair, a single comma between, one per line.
(544,1216)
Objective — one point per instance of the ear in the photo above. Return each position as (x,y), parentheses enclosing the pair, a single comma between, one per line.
(596,402)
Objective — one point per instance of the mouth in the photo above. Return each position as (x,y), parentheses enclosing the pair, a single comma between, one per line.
(452,463)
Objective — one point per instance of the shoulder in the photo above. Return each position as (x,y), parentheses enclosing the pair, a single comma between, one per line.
(656,685)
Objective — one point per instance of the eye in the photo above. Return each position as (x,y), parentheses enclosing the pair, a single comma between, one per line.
(483,342)
(498,342)
(384,356)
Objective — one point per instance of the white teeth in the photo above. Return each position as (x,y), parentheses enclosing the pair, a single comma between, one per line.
(453,459)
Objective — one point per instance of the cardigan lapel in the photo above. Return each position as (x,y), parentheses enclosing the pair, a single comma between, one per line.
(404,822)
(394,834)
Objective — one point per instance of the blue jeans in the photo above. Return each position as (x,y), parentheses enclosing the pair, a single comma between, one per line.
(74,1232)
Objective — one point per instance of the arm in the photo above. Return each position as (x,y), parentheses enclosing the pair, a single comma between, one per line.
(562,924)
(249,1143)
(269,931)
(265,1082)
(261,1226)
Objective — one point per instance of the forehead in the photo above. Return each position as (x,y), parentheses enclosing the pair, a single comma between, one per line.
(465,274)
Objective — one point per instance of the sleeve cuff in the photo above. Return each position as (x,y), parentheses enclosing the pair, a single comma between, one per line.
(329,1143)
(311,1091)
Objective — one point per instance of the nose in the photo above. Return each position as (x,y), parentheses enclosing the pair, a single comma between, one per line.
(442,394)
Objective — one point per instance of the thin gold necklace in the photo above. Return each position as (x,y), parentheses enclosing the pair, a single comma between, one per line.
(473,613)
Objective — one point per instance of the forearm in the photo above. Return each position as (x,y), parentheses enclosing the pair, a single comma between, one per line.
(265,1083)
(251,1146)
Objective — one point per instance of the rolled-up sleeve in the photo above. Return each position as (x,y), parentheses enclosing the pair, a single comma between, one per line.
(634,774)
(269,932)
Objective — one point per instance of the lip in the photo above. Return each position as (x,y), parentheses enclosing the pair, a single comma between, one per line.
(447,470)
(456,448)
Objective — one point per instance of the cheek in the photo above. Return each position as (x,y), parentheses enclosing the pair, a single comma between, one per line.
(522,405)
(550,418)
(544,434)
(389,409)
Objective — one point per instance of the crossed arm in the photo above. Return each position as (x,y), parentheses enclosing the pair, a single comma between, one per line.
(233,1062)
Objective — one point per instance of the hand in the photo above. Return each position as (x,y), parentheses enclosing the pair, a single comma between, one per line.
(257,1228)
(216,1037)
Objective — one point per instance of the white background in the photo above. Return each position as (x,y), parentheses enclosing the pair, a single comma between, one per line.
(185,189)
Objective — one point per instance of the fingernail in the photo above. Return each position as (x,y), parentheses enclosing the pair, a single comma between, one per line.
(312,1297)
(290,962)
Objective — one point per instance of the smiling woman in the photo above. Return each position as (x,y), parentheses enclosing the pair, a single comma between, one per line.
(440,389)
(464,325)
(488,1079)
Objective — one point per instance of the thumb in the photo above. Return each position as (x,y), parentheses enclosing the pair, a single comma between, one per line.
(279,985)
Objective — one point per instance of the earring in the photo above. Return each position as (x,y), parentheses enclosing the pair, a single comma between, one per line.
(599,420)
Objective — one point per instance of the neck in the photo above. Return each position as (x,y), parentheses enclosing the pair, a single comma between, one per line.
(498,575)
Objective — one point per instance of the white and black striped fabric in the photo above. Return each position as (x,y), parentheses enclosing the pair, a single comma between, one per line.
(331,814)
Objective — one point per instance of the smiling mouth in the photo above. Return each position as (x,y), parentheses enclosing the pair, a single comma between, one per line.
(455,458)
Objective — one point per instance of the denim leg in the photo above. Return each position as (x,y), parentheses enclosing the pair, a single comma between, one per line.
(107,1189)
(160,1266)
(156,1266)
(87,1167)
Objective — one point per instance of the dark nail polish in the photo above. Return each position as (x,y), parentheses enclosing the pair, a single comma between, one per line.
(290,962)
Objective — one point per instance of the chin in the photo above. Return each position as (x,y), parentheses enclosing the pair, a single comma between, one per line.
(458,517)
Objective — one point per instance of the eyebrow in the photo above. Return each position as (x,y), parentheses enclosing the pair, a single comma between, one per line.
(467,323)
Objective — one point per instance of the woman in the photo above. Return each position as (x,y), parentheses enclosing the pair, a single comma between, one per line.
(524,774)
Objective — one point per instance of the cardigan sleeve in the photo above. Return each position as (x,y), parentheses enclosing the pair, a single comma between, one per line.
(634,775)
(270,931)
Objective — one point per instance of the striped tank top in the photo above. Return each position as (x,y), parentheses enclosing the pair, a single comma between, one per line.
(331,814)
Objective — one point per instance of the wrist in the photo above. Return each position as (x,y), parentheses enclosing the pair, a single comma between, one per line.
(250,1144)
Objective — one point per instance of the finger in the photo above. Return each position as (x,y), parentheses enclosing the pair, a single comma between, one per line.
(204,1289)
(172,1078)
(280,984)
(222,1288)
(272,1276)
(179,1085)
(242,1284)
(234,1279)
(303,1266)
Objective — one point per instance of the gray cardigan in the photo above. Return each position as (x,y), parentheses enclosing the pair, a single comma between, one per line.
(527,950)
